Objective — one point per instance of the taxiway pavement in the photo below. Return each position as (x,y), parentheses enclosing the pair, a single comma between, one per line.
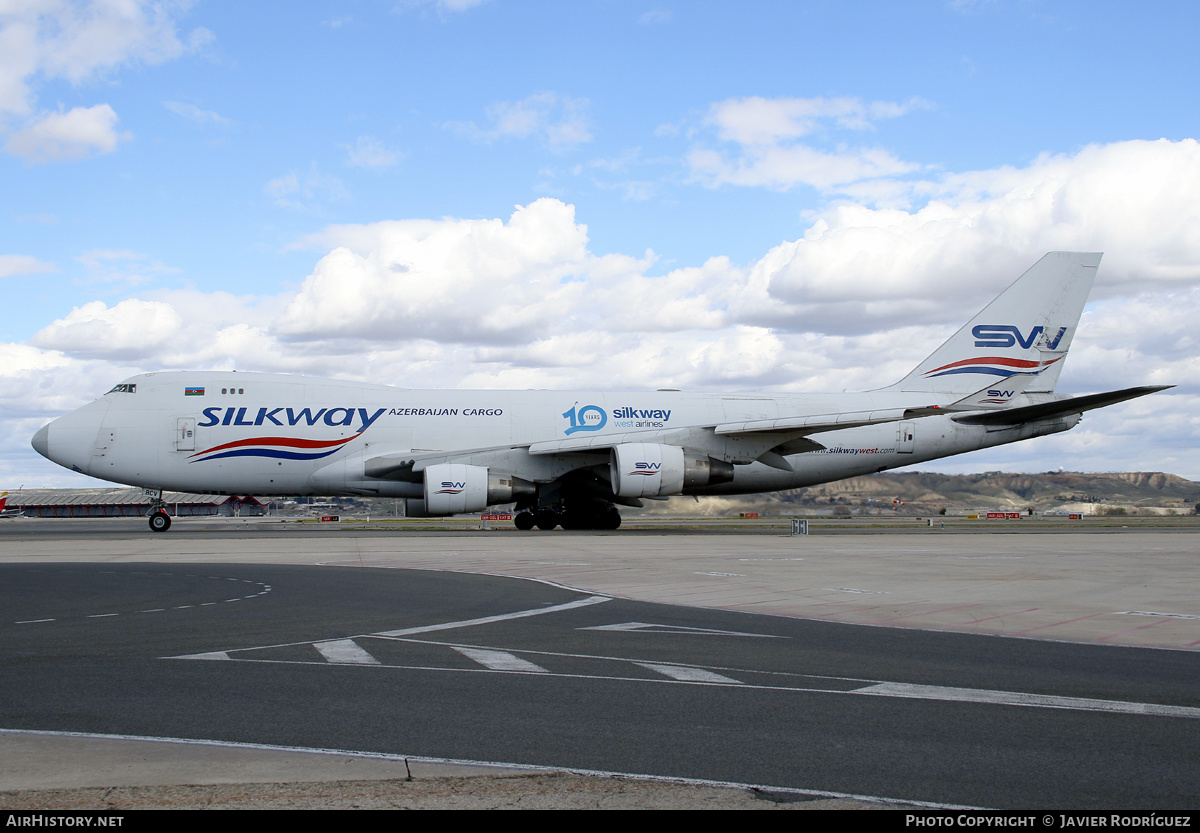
(880,673)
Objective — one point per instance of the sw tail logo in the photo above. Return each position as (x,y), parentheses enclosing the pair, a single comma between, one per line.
(1006,335)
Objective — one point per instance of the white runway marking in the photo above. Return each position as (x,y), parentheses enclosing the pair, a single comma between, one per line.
(688,674)
(345,651)
(644,627)
(487,620)
(266,588)
(1016,698)
(499,660)
(348,652)
(207,655)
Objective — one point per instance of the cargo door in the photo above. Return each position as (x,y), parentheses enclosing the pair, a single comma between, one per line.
(906,437)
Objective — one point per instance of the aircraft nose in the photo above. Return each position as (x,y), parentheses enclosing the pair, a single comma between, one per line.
(41,441)
(69,440)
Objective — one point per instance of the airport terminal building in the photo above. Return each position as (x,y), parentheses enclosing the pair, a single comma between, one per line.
(128,503)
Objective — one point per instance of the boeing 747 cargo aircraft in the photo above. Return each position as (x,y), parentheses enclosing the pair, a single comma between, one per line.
(570,458)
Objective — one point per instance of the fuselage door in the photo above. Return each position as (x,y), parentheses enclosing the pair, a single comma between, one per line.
(185,434)
(906,437)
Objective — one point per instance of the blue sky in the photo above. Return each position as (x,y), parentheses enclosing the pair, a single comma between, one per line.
(717,196)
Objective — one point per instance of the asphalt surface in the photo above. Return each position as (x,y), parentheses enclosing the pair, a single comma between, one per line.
(482,668)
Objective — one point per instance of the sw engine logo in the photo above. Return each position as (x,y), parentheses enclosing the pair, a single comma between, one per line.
(998,397)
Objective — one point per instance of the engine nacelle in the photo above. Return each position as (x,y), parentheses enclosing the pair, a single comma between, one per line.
(656,470)
(453,488)
(646,469)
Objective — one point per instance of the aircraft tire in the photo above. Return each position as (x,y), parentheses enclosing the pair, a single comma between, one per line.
(160,521)
(612,519)
(571,520)
(523,521)
(545,519)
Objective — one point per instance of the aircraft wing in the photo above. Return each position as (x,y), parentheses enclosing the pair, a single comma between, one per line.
(744,442)
(740,442)
(1062,407)
(768,428)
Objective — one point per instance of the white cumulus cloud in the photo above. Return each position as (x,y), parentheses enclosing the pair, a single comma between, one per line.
(862,268)
(369,152)
(129,329)
(300,190)
(766,121)
(195,114)
(560,120)
(766,151)
(77,41)
(410,278)
(22,265)
(62,137)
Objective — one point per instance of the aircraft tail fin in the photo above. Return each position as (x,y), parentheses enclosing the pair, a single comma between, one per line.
(3,501)
(1026,330)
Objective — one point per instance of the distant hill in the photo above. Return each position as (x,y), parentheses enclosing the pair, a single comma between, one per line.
(927,493)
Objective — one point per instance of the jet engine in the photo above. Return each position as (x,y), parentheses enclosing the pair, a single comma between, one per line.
(453,488)
(654,470)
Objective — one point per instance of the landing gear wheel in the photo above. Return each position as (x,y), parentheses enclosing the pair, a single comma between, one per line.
(546,519)
(160,521)
(611,519)
(523,521)
(596,516)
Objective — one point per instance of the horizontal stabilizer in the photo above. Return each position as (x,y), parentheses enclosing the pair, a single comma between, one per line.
(1063,407)
(995,396)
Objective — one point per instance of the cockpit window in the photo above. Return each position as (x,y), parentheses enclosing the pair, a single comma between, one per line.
(124,388)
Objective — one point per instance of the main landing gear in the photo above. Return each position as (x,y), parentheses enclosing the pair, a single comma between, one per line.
(590,515)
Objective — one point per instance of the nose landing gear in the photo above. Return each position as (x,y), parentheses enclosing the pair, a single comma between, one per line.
(160,521)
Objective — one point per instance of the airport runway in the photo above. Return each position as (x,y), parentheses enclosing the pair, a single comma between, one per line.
(212,637)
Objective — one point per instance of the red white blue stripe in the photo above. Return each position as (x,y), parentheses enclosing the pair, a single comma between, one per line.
(991,366)
(282,448)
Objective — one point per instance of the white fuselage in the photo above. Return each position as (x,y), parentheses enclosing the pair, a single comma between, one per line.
(250,433)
